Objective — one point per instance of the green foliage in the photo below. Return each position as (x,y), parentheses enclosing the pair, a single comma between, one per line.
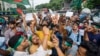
(90,4)
(30,10)
(76,4)
(68,1)
(21,6)
(42,6)
(97,2)
(54,5)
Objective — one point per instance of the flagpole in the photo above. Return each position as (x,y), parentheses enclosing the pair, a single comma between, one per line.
(32,6)
(2,5)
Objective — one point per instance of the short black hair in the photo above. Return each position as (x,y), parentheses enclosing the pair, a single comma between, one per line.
(29,23)
(86,22)
(98,51)
(77,23)
(69,40)
(11,22)
(13,40)
(90,47)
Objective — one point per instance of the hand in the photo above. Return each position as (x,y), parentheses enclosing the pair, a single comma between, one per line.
(55,19)
(86,29)
(57,16)
(55,41)
(23,15)
(46,30)
(34,16)
(40,16)
(90,29)
(74,43)
(6,18)
(95,40)
(33,22)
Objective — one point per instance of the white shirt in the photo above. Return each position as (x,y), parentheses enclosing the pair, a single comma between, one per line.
(38,20)
(40,52)
(29,32)
(81,32)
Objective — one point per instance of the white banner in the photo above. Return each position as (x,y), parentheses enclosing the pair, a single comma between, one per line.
(69,14)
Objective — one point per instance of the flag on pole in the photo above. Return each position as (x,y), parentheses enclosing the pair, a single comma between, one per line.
(19,10)
(17,0)
(22,2)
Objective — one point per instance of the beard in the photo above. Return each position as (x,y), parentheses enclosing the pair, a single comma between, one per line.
(36,43)
(44,25)
(12,27)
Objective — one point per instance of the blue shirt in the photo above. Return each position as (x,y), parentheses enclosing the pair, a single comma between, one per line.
(74,37)
(94,38)
(68,28)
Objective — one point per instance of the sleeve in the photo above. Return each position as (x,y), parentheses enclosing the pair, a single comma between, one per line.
(41,52)
(29,32)
(6,34)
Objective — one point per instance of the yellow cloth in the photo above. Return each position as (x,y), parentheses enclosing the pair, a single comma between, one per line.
(41,35)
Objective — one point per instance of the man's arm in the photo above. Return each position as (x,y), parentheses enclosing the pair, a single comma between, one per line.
(24,22)
(60,53)
(86,38)
(46,34)
(4,53)
(34,23)
(56,44)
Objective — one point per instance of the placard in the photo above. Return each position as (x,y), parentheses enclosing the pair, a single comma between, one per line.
(69,14)
(29,16)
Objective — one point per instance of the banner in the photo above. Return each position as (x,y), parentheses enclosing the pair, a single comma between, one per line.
(22,2)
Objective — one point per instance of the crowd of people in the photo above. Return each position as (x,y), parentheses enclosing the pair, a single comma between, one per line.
(49,36)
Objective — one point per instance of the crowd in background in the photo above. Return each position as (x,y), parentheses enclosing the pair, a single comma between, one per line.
(49,35)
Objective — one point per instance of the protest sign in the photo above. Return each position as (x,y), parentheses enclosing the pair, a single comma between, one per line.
(69,14)
(29,16)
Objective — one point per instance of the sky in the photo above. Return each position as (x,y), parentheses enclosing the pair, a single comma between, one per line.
(37,2)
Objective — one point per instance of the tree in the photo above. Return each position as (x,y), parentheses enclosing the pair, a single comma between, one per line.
(93,3)
(97,4)
(21,6)
(67,1)
(90,4)
(54,5)
(38,7)
(76,4)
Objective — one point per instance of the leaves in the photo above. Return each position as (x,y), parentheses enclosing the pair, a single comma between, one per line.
(76,4)
(90,4)
(54,5)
